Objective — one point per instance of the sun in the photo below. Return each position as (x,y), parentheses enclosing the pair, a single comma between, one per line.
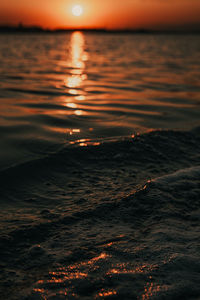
(77,10)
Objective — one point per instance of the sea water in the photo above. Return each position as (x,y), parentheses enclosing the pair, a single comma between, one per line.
(100,166)
(59,89)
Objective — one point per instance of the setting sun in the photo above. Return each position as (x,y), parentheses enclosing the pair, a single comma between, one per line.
(77,10)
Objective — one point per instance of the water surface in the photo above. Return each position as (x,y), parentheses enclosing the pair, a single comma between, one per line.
(99,167)
(58,89)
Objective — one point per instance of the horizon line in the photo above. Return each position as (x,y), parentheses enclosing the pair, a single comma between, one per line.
(37,28)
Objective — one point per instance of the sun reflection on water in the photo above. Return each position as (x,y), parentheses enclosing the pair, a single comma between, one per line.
(85,143)
(65,280)
(73,92)
(78,112)
(74,80)
(62,280)
(151,289)
(80,98)
(71,105)
(74,131)
(78,56)
(124,268)
(106,293)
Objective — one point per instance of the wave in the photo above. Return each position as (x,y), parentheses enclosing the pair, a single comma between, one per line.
(169,148)
(149,237)
(87,222)
(38,92)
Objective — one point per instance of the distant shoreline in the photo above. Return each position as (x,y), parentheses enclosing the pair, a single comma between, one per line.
(36,29)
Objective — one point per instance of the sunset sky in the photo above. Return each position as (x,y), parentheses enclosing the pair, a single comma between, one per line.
(115,14)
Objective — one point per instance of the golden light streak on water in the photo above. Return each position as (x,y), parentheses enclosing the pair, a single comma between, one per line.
(77,76)
(73,92)
(124,269)
(151,289)
(73,81)
(80,98)
(106,293)
(78,271)
(85,143)
(77,63)
(74,131)
(78,112)
(71,105)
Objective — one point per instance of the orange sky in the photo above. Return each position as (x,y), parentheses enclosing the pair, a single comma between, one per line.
(102,13)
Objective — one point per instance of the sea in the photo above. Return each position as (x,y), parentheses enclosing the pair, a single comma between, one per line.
(99,166)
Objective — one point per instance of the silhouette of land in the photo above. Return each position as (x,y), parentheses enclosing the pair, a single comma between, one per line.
(37,29)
